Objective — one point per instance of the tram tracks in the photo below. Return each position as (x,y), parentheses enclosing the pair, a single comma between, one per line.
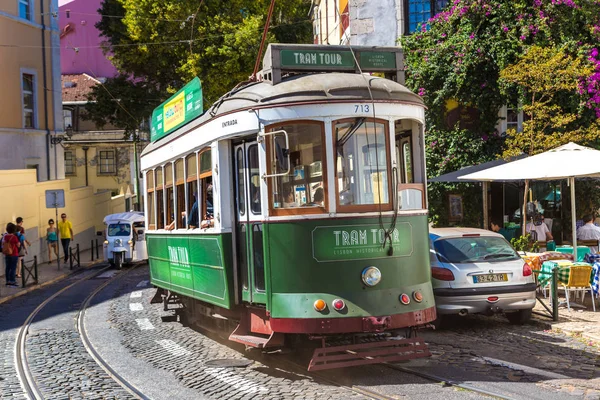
(27,376)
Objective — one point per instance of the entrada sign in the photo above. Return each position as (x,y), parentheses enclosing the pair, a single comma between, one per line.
(355,242)
(179,109)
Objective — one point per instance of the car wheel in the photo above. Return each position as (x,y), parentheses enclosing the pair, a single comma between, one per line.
(519,317)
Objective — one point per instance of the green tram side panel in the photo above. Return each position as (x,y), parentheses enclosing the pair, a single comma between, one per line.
(324,259)
(198,266)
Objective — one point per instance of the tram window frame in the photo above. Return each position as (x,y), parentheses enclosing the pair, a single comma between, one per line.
(192,189)
(160,197)
(150,191)
(181,217)
(169,196)
(241,181)
(280,211)
(375,207)
(254,163)
(203,178)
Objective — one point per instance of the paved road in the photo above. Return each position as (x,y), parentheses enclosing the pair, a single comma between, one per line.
(166,360)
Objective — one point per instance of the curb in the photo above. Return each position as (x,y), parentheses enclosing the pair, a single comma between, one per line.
(50,282)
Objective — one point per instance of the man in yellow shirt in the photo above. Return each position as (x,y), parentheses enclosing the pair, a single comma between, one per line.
(65,231)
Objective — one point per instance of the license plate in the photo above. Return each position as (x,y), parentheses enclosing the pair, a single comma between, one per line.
(490,278)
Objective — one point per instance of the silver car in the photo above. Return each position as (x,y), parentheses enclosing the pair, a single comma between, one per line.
(478,271)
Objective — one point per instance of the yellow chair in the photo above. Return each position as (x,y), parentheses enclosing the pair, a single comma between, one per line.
(579,279)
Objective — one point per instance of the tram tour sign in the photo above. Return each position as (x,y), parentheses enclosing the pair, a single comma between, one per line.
(284,58)
(178,110)
(356,242)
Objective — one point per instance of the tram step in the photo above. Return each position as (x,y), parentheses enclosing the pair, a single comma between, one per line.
(368,353)
(241,335)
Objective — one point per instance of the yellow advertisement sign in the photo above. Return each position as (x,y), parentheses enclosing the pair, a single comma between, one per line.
(174,112)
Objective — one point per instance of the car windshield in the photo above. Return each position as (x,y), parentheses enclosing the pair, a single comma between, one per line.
(119,230)
(474,249)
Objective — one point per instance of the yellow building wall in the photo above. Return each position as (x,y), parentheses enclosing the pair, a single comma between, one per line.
(28,55)
(23,196)
(101,182)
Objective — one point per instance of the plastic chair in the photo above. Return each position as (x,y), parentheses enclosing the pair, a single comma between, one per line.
(579,279)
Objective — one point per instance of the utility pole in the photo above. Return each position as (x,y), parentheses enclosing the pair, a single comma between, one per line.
(137,205)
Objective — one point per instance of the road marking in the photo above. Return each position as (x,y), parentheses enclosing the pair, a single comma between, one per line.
(136,306)
(237,382)
(173,348)
(142,284)
(107,274)
(136,294)
(525,368)
(144,324)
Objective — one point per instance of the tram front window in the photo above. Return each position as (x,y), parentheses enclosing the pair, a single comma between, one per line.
(362,164)
(303,189)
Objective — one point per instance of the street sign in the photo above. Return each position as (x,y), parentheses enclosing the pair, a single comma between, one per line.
(55,198)
(178,110)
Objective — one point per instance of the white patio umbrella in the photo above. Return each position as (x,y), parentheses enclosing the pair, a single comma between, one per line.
(569,161)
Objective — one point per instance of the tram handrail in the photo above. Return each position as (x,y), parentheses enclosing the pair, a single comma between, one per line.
(260,138)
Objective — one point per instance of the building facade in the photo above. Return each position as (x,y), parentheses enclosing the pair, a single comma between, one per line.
(369,22)
(98,157)
(31,123)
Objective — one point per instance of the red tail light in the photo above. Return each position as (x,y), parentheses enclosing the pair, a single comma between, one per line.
(527,270)
(338,304)
(442,274)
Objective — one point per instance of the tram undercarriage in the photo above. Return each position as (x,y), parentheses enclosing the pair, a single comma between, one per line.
(251,327)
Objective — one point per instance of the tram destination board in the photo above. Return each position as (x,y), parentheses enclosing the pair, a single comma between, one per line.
(178,110)
(306,58)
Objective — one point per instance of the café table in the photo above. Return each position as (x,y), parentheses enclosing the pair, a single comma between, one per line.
(592,258)
(581,251)
(564,270)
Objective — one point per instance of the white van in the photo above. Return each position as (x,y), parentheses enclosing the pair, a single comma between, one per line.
(125,241)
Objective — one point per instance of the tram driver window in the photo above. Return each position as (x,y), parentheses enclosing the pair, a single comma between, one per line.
(303,189)
(362,165)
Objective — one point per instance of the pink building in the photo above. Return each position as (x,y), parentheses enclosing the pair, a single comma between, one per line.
(80,50)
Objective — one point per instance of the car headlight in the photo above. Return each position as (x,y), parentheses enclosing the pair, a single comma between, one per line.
(371,276)
(118,242)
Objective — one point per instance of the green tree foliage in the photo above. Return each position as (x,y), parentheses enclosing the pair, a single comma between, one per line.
(460,55)
(169,42)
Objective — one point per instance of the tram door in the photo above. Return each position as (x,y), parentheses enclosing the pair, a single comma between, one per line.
(249,229)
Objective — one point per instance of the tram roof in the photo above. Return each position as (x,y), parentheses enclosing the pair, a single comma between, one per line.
(300,89)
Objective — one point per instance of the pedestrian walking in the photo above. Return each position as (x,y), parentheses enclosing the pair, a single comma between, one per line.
(52,239)
(23,249)
(65,231)
(10,249)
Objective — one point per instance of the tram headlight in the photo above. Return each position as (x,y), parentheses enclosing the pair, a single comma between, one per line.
(371,276)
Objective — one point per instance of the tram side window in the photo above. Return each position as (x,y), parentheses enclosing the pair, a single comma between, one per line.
(254,172)
(206,189)
(160,223)
(150,194)
(192,187)
(410,192)
(303,189)
(362,165)
(170,206)
(180,194)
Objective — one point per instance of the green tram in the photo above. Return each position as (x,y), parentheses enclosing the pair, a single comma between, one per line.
(295,208)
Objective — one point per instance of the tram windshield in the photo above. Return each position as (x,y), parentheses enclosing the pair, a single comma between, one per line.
(362,164)
(302,190)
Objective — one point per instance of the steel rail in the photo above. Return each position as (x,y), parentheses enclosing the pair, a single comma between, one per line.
(23,371)
(92,351)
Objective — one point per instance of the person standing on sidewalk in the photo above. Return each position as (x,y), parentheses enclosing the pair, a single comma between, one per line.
(65,231)
(52,239)
(10,249)
(23,249)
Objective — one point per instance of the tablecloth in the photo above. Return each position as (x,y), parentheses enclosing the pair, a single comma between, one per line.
(582,251)
(596,278)
(592,258)
(564,270)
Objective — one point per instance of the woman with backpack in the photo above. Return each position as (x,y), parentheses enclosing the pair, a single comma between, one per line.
(10,249)
(23,249)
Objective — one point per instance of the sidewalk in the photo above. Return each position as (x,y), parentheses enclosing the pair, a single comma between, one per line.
(584,323)
(47,275)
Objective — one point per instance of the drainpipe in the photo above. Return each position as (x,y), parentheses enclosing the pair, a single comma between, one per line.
(46,98)
(85,149)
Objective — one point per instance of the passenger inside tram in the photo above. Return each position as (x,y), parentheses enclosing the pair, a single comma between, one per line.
(288,200)
(318,198)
